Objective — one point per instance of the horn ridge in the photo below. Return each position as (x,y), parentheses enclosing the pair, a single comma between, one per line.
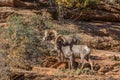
(60,37)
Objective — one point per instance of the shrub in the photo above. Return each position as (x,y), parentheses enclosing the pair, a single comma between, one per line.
(20,43)
(78,3)
(114,58)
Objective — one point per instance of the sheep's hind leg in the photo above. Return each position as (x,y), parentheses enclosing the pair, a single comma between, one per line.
(82,60)
(90,62)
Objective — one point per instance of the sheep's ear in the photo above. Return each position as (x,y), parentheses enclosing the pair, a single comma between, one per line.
(74,40)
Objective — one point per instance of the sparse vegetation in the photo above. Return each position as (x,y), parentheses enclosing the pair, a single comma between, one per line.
(84,71)
(23,54)
(20,42)
(114,58)
(77,71)
(77,3)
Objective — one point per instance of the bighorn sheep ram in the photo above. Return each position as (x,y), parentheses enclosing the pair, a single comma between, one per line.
(65,40)
(52,35)
(81,51)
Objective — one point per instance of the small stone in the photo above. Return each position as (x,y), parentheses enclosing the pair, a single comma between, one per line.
(115,70)
(101,73)
(109,73)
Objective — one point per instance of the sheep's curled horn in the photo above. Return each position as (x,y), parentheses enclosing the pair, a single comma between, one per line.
(61,39)
(55,33)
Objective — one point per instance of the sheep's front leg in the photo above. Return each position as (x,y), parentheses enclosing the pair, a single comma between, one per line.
(71,61)
(79,63)
(69,64)
(62,57)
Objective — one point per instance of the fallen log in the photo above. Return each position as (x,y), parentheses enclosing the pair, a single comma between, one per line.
(9,3)
(102,12)
(19,3)
(22,4)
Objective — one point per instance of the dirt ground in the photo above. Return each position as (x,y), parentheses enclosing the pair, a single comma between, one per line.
(106,67)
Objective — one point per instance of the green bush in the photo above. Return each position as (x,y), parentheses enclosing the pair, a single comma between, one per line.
(92,3)
(78,3)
